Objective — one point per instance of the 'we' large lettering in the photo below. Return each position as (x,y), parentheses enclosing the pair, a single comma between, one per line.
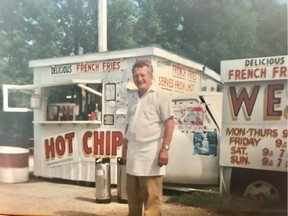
(246,99)
(237,100)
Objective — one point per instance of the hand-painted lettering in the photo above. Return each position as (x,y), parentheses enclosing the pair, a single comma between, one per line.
(108,66)
(94,67)
(236,101)
(270,112)
(117,140)
(98,144)
(280,72)
(59,146)
(166,82)
(101,143)
(49,149)
(108,141)
(238,150)
(247,74)
(239,160)
(285,133)
(244,141)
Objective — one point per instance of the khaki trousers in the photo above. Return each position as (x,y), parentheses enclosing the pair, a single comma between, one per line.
(144,193)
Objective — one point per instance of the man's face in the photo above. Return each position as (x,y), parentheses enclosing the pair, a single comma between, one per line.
(142,78)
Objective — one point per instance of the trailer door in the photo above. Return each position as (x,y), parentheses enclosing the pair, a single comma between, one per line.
(214,106)
(194,158)
(20,98)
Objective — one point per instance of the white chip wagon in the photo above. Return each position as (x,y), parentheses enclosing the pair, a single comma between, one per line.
(79,105)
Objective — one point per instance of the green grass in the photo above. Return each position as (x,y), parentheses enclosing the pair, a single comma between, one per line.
(226,203)
(202,200)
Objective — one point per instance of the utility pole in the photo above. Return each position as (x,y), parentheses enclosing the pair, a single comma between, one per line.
(102,25)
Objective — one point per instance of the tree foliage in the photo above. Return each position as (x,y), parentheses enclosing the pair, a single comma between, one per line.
(122,17)
(77,24)
(206,31)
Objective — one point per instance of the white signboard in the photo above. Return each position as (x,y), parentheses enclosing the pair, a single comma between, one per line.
(254,131)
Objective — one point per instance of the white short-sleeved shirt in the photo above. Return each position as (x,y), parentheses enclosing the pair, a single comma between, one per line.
(146,116)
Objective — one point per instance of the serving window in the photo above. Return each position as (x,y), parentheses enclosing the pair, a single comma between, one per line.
(76,102)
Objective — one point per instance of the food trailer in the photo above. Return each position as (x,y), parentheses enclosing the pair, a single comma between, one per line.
(79,104)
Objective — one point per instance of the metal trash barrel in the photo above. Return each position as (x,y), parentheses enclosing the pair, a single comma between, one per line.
(102,180)
(14,164)
(121,181)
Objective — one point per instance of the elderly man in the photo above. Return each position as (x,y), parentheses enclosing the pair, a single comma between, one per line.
(149,131)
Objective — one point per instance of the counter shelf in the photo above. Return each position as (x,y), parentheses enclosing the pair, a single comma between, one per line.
(67,122)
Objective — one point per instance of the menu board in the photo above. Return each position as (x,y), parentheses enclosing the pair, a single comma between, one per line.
(255,115)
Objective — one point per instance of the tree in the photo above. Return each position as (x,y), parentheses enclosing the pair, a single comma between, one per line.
(271,29)
(77,23)
(148,29)
(121,24)
(210,31)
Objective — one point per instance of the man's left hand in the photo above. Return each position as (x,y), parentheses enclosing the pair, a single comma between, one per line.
(163,157)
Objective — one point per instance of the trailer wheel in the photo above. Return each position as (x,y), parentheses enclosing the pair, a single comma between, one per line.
(261,189)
